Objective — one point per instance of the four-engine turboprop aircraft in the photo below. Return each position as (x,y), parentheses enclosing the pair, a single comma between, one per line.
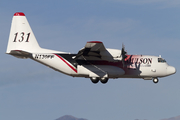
(94,61)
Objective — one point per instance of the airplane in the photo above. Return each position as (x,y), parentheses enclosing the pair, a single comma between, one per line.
(93,61)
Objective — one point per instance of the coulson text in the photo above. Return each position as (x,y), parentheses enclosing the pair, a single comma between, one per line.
(139,61)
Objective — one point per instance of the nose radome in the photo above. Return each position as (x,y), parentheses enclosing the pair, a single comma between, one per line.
(171,70)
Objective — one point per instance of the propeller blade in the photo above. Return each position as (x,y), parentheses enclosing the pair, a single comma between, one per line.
(123,54)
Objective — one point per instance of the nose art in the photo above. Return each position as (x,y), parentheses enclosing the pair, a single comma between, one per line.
(171,70)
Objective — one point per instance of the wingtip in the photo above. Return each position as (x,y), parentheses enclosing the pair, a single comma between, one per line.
(19,14)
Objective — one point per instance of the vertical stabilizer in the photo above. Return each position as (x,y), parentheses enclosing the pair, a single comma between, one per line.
(21,36)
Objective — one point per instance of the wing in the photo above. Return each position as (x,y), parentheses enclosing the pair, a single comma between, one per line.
(95,50)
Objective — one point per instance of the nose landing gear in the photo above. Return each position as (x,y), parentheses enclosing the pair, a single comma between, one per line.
(155,80)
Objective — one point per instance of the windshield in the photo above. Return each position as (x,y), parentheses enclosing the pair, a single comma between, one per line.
(161,60)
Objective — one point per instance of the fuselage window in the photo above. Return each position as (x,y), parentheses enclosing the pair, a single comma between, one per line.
(161,60)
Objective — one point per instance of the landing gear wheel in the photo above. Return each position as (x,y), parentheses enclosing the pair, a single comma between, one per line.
(155,80)
(104,80)
(94,80)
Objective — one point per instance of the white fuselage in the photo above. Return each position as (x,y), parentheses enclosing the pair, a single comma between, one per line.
(136,66)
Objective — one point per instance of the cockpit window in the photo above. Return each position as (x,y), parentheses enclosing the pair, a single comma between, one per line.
(161,60)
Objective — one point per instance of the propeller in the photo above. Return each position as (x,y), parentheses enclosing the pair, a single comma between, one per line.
(123,54)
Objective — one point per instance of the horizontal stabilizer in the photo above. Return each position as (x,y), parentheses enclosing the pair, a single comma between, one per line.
(20,54)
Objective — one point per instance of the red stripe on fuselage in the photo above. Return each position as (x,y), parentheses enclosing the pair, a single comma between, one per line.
(67,63)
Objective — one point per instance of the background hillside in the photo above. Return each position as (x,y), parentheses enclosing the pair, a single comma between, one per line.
(69,117)
(173,118)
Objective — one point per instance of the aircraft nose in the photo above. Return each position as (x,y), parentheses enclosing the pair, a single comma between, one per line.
(171,70)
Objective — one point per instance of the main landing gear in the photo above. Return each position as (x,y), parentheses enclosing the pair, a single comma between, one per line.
(155,80)
(96,80)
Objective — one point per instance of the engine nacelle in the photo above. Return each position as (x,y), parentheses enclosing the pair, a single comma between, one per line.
(115,53)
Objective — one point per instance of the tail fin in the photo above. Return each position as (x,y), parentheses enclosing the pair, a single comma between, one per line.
(21,36)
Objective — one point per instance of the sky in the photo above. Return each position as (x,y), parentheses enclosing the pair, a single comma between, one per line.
(31,91)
